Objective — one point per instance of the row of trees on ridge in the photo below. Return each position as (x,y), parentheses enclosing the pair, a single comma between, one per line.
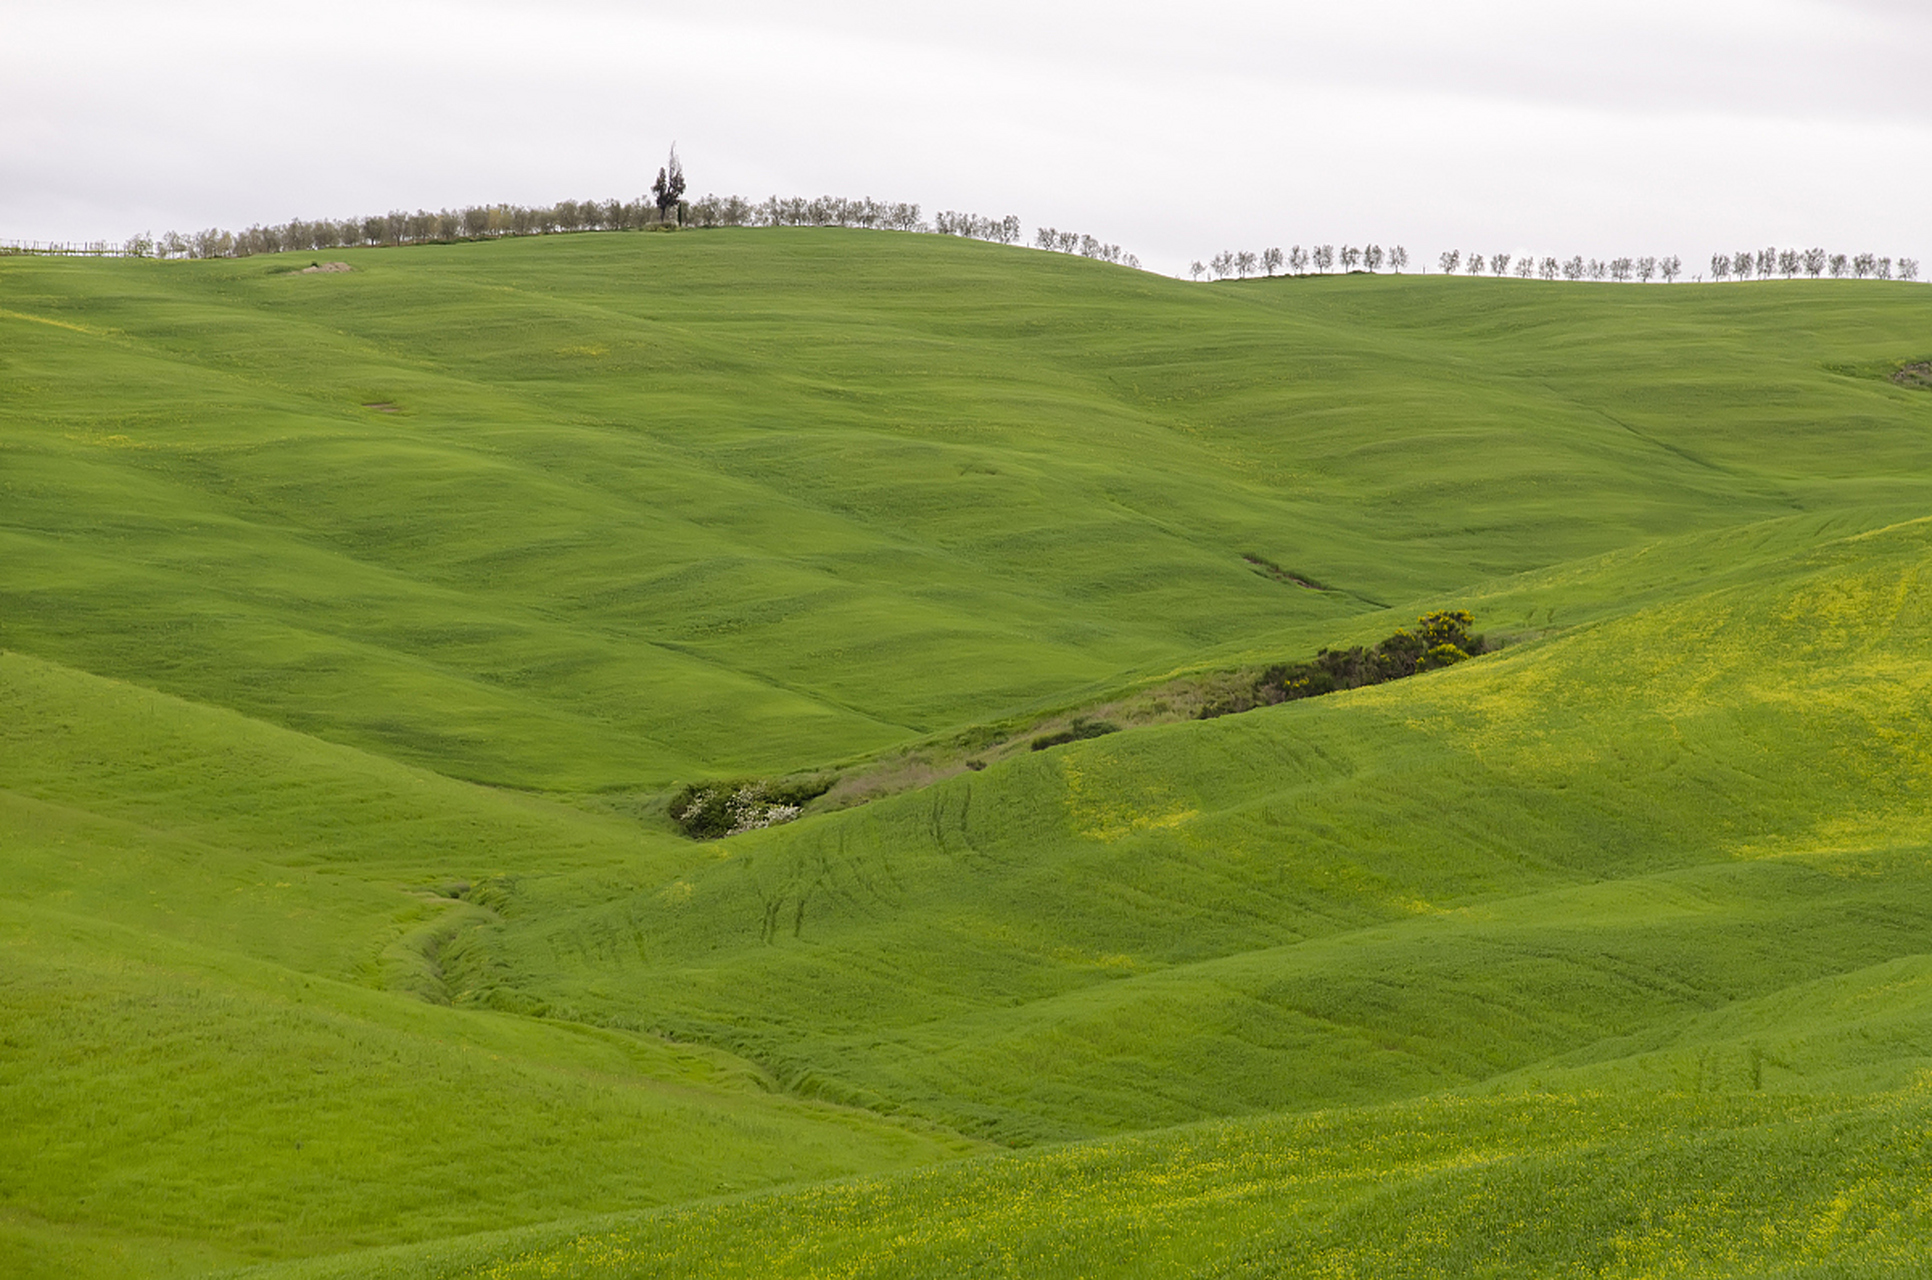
(1743,265)
(1240,264)
(489,222)
(1765,263)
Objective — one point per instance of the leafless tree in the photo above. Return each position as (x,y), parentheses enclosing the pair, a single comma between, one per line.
(1474,264)
(1883,269)
(1908,268)
(1646,270)
(1222,264)
(1195,268)
(1298,260)
(1838,265)
(1670,268)
(1324,257)
(1574,268)
(1620,270)
(1548,268)
(1351,257)
(1526,267)
(1271,260)
(1863,265)
(1744,264)
(1449,261)
(1767,263)
(1398,259)
(1498,264)
(1815,262)
(1790,262)
(1244,263)
(1372,258)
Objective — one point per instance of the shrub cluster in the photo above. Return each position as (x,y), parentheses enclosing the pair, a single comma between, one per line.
(1441,639)
(1079,731)
(711,810)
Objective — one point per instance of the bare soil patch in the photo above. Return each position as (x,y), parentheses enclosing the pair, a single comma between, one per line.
(1915,375)
(324,268)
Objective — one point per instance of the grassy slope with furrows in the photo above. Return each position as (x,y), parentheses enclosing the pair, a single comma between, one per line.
(654,507)
(1599,955)
(1357,897)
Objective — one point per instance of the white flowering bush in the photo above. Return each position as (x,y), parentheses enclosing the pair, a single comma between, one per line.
(715,810)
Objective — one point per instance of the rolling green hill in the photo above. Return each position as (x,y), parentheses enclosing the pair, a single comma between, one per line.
(356,625)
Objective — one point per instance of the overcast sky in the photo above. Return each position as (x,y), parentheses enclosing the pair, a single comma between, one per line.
(1597,127)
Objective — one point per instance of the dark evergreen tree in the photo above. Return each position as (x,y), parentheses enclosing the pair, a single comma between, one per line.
(669,187)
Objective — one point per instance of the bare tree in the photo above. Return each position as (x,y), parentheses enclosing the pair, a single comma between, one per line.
(1598,269)
(1744,264)
(1767,263)
(1838,265)
(1863,265)
(1244,263)
(1271,260)
(1398,259)
(1526,267)
(1883,269)
(1574,268)
(1351,257)
(1475,264)
(1298,260)
(1671,268)
(1195,268)
(1814,263)
(1548,268)
(1222,264)
(1372,258)
(1498,264)
(1620,269)
(1790,262)
(1324,257)
(1720,266)
(1449,261)
(1908,268)
(1646,270)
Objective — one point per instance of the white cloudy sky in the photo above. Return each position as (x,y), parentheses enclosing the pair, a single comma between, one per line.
(1578,126)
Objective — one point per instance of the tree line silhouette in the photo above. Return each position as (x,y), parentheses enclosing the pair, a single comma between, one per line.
(1743,265)
(662,211)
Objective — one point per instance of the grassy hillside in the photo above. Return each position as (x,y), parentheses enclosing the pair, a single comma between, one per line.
(351,624)
(632,509)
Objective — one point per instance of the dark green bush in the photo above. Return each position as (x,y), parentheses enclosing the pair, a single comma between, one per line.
(1080,730)
(1440,639)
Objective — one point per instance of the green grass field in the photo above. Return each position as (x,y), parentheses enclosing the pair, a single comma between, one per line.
(354,629)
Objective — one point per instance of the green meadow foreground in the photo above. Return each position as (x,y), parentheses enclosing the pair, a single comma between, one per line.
(356,628)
